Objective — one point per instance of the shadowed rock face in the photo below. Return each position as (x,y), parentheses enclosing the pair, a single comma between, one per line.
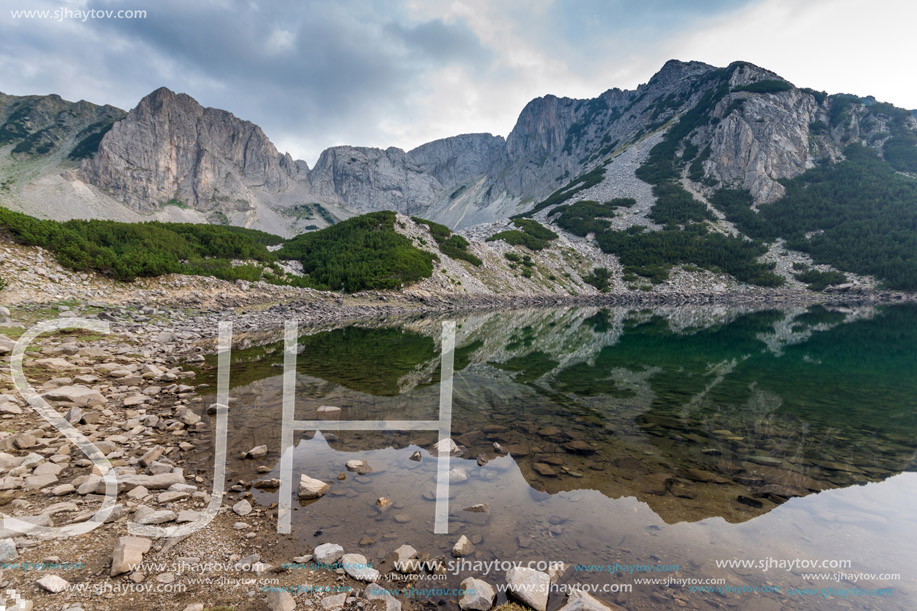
(42,126)
(171,148)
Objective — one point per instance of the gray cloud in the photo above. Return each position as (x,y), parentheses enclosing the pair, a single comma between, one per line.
(311,73)
(400,72)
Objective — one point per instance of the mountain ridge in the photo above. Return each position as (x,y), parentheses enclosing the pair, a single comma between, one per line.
(170,149)
(701,151)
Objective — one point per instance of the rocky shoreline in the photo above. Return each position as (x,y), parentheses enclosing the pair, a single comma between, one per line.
(133,395)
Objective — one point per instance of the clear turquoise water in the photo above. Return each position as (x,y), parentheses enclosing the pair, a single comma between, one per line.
(678,436)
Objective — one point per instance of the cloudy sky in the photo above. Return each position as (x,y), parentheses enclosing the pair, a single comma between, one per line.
(314,74)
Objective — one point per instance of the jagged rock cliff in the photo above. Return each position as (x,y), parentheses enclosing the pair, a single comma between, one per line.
(758,138)
(170,148)
(215,167)
(752,153)
(368,179)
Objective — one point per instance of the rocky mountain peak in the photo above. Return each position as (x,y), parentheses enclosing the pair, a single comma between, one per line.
(743,73)
(171,149)
(674,71)
(541,127)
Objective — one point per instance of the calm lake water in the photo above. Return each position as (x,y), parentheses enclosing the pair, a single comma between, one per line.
(679,436)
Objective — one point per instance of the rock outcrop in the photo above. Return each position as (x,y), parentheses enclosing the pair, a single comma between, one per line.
(171,150)
(755,154)
(42,126)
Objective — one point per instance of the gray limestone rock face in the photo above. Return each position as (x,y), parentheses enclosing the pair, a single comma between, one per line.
(171,148)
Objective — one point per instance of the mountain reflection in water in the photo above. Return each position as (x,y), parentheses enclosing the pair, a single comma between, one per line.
(627,434)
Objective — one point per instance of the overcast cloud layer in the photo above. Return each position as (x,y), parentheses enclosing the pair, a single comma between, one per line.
(400,73)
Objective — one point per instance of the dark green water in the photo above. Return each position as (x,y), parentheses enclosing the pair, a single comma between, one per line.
(678,436)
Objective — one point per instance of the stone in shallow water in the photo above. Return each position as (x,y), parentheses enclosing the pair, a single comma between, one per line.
(310,488)
(628,463)
(725,466)
(771,461)
(445,447)
(656,483)
(750,502)
(749,480)
(682,490)
(544,469)
(256,452)
(360,467)
(462,547)
(579,447)
(835,466)
(698,475)
(772,490)
(430,493)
